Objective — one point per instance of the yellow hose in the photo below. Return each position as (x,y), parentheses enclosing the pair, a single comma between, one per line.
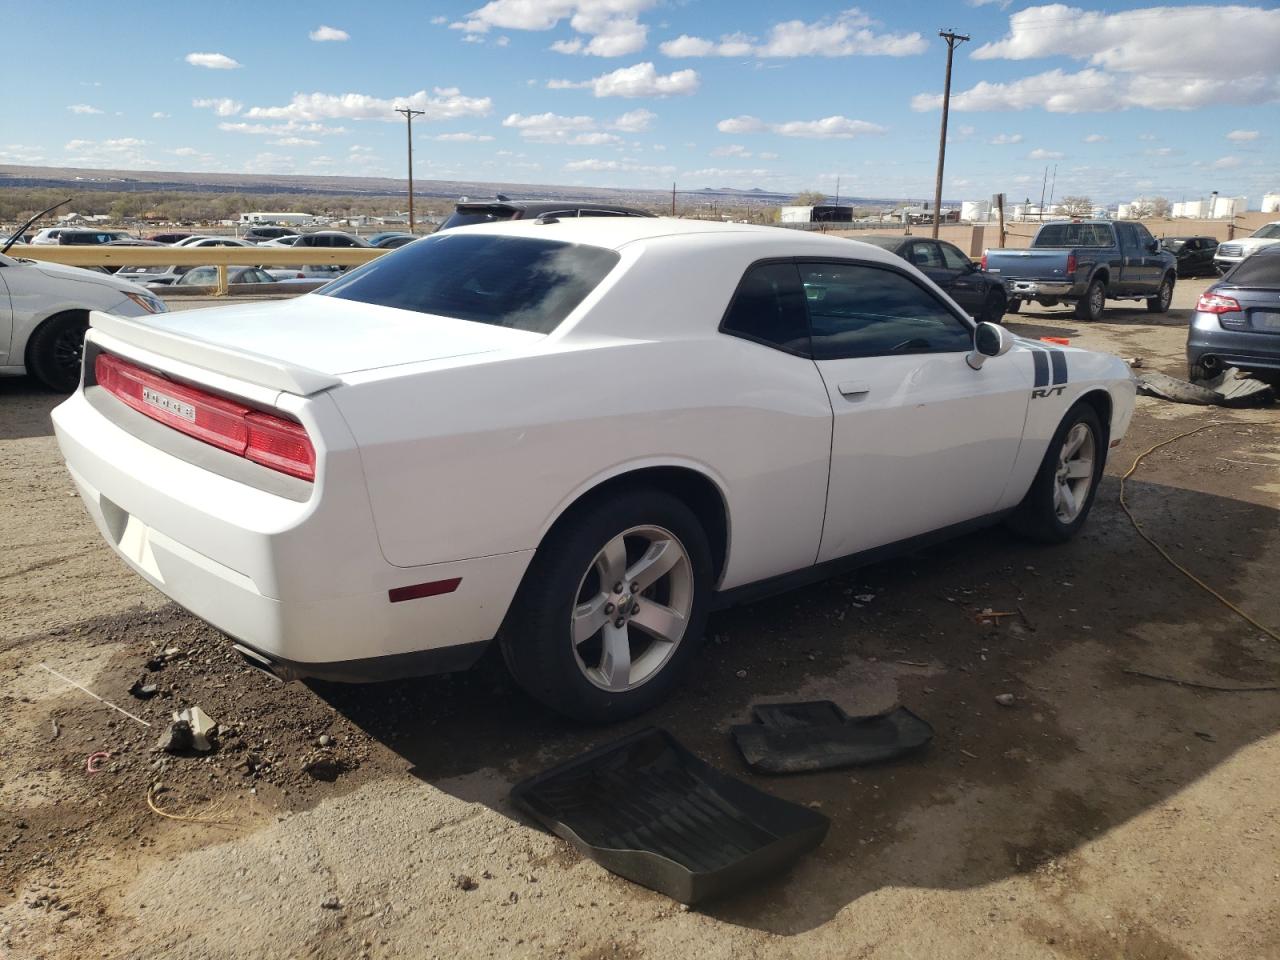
(1124,505)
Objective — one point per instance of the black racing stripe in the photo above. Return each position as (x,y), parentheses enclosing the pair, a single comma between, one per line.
(1059,361)
(1041,366)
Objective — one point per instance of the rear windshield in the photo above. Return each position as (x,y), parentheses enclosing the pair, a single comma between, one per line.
(1256,271)
(1174,245)
(1073,235)
(887,243)
(528,284)
(468,216)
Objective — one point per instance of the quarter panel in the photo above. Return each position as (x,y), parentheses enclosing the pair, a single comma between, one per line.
(480,458)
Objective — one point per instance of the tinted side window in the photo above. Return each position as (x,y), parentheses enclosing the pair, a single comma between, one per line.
(768,307)
(857,310)
(925,256)
(955,260)
(1128,236)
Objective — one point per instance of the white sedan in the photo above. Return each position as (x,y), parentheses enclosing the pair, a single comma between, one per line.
(44,312)
(576,437)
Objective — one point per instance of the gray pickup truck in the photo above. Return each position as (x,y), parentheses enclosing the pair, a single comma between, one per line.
(1086,262)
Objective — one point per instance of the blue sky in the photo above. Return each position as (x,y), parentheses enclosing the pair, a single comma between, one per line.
(1126,99)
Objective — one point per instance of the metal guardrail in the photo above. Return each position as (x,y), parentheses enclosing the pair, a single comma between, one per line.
(220,257)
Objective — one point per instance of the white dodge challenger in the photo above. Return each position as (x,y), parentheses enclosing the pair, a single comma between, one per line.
(575,437)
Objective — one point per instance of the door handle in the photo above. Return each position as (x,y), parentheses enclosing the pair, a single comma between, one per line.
(855,388)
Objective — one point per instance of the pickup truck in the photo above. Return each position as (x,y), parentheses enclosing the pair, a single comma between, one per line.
(1086,262)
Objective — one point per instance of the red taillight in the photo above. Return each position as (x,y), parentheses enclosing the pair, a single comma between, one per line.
(261,437)
(281,445)
(1071,263)
(1216,303)
(983,262)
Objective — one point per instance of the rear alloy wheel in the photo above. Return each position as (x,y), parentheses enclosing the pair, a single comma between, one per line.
(612,607)
(56,351)
(1164,296)
(1061,495)
(1089,308)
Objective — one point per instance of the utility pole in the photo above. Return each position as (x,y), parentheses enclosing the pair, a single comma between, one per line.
(837,191)
(673,198)
(408,116)
(1044,184)
(1053,184)
(952,39)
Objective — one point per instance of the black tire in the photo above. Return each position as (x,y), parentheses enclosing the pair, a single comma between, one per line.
(536,636)
(1164,296)
(1197,372)
(55,351)
(1037,517)
(1013,306)
(1089,308)
(993,308)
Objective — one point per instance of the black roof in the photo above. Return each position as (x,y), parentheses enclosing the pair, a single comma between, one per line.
(534,208)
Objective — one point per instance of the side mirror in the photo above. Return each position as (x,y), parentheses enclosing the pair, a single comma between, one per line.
(989,340)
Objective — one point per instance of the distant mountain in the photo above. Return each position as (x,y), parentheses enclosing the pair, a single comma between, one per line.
(83,178)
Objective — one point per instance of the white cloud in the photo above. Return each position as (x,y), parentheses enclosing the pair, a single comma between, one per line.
(212,61)
(118,152)
(278,129)
(580,131)
(1002,4)
(723,173)
(160,115)
(1039,153)
(731,150)
(83,108)
(634,121)
(844,34)
(1095,138)
(446,103)
(1226,163)
(828,128)
(462,138)
(606,28)
(765,155)
(1161,152)
(742,124)
(185,152)
(1003,138)
(615,166)
(294,142)
(641,80)
(269,162)
(327,34)
(222,106)
(1242,136)
(1157,58)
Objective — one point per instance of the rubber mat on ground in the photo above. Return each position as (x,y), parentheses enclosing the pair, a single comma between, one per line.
(647,809)
(818,735)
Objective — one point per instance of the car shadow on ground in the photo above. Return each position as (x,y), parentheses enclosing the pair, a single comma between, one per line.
(25,407)
(1001,791)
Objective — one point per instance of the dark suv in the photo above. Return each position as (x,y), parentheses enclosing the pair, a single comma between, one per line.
(469,212)
(259,234)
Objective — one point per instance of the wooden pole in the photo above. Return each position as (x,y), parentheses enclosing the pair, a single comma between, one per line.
(952,39)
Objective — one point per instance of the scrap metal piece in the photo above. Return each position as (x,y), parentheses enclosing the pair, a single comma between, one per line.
(647,809)
(1230,388)
(818,735)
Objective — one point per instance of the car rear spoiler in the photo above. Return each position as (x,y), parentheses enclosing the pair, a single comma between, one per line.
(250,367)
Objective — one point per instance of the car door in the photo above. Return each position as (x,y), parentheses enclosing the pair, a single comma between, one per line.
(968,288)
(920,440)
(6,319)
(1130,261)
(1151,271)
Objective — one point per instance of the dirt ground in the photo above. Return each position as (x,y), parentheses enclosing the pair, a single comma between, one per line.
(1103,815)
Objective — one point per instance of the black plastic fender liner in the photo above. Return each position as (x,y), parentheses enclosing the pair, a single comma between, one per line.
(818,735)
(647,809)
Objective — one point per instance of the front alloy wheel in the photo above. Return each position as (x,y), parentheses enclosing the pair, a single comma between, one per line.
(1074,477)
(633,607)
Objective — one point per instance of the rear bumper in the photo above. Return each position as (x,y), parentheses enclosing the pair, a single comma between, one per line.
(1031,289)
(1230,348)
(304,584)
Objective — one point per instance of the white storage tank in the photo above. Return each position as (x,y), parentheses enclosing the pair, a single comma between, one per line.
(1271,203)
(1226,208)
(975,211)
(1124,211)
